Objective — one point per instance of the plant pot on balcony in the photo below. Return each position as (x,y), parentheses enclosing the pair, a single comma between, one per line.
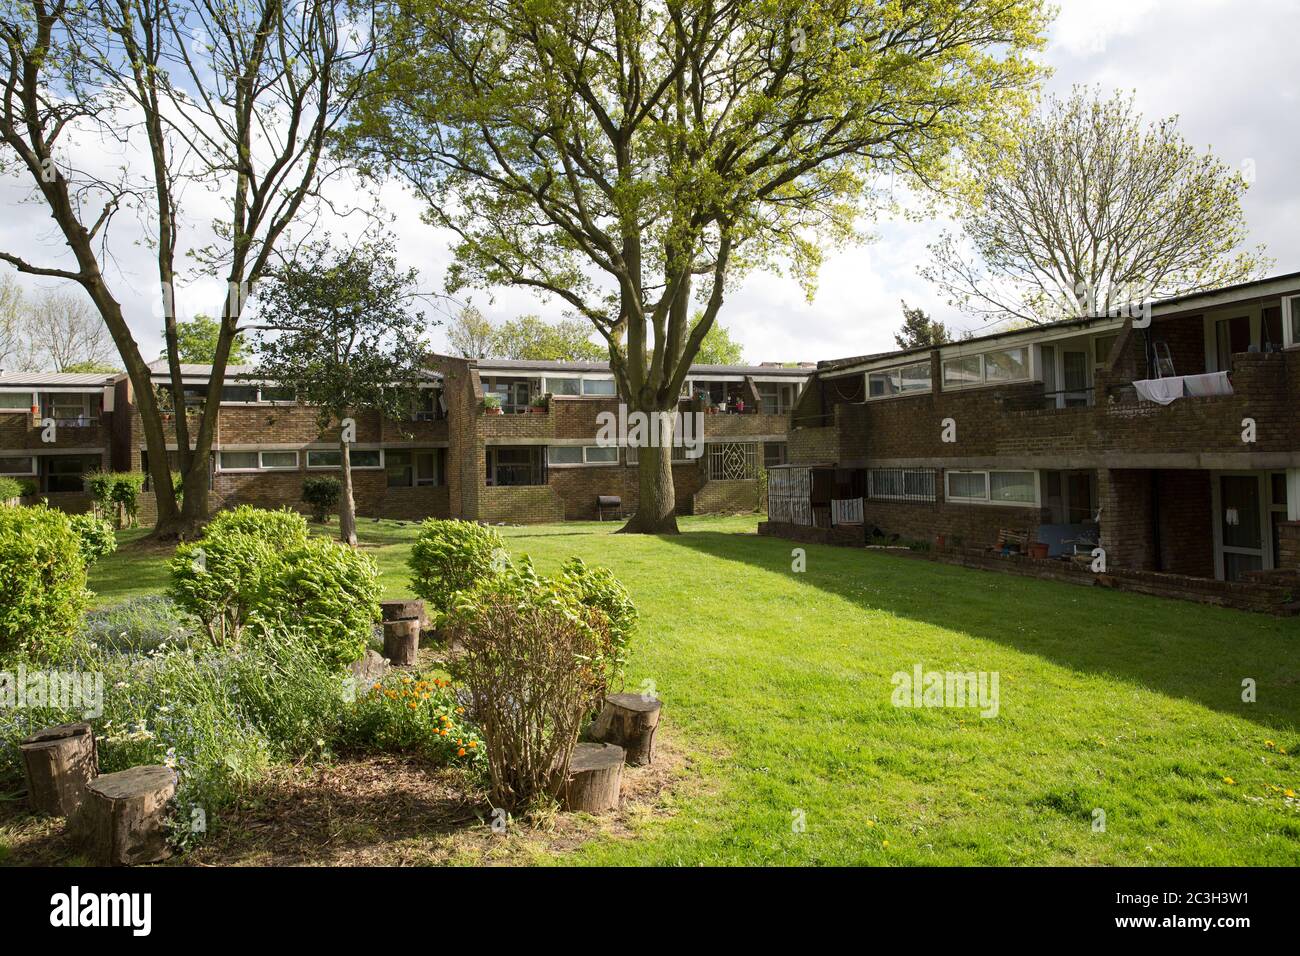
(493,411)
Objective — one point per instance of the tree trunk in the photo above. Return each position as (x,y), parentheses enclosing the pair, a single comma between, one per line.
(656,498)
(59,763)
(347,507)
(595,778)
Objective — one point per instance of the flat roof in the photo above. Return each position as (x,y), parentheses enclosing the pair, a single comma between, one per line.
(530,365)
(37,379)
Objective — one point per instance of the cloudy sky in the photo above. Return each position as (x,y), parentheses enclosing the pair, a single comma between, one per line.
(1227,68)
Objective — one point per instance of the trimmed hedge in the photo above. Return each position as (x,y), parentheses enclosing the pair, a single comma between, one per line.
(451,556)
(43,592)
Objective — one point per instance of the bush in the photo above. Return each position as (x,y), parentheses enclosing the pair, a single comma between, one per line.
(327,590)
(9,490)
(26,487)
(322,493)
(42,582)
(451,556)
(96,536)
(535,663)
(598,589)
(219,577)
(126,492)
(284,528)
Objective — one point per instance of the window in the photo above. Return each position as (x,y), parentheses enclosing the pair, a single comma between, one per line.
(773,453)
(239,393)
(565,454)
(993,487)
(582,455)
(733,461)
(679,454)
(427,406)
(70,409)
(564,386)
(777,397)
(276,393)
(516,466)
(1291,319)
(901,484)
(899,381)
(960,372)
(359,457)
(279,459)
(429,466)
(11,401)
(408,469)
(598,386)
(1006,365)
(400,466)
(239,461)
(24,465)
(67,472)
(1101,347)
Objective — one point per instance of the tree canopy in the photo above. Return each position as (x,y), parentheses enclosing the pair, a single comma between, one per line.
(196,342)
(632,158)
(919,329)
(1091,211)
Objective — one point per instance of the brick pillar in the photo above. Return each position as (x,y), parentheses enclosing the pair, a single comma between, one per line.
(1289,553)
(1126,532)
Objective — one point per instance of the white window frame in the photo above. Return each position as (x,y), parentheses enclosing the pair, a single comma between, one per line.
(18,453)
(984,371)
(221,461)
(586,461)
(261,459)
(678,452)
(547,390)
(26,409)
(905,472)
(613,394)
(988,474)
(898,371)
(1290,320)
(339,466)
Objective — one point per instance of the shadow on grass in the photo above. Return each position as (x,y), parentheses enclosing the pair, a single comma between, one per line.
(1177,648)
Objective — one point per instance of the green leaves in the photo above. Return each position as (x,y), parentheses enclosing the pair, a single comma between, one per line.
(42,582)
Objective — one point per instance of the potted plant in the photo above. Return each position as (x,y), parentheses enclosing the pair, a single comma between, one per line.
(492,404)
(538,404)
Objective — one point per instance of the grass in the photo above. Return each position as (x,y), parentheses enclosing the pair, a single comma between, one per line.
(778,684)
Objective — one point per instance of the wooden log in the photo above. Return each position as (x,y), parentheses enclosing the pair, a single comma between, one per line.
(629,720)
(59,762)
(407,607)
(402,640)
(595,775)
(123,818)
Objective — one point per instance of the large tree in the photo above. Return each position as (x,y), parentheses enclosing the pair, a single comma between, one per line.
(528,337)
(470,334)
(918,329)
(65,332)
(633,157)
(229,97)
(337,328)
(1091,211)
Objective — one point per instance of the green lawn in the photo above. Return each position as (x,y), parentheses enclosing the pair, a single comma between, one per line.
(777,684)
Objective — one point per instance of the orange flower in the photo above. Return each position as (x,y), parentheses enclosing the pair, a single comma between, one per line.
(460,752)
(413,705)
(473,744)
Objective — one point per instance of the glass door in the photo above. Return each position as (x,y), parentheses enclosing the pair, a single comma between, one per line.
(1075,369)
(1240,518)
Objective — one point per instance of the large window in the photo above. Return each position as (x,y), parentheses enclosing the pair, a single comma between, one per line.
(18,465)
(1291,318)
(279,460)
(516,466)
(68,472)
(777,397)
(239,393)
(993,487)
(903,380)
(988,368)
(582,455)
(901,484)
(15,401)
(563,386)
(599,386)
(415,468)
(358,457)
(678,454)
(238,461)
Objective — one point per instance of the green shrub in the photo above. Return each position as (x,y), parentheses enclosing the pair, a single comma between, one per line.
(322,493)
(328,591)
(284,528)
(218,579)
(96,534)
(598,589)
(126,492)
(100,485)
(27,487)
(451,556)
(536,663)
(9,489)
(42,582)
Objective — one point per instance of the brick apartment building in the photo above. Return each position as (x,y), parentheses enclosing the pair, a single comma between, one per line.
(536,459)
(1175,447)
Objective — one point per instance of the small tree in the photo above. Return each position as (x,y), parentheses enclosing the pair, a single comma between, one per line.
(471,335)
(1089,213)
(718,347)
(920,330)
(336,329)
(196,342)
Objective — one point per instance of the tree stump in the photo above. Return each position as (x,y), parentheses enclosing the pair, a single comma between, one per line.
(123,818)
(59,762)
(595,774)
(397,610)
(402,640)
(629,720)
